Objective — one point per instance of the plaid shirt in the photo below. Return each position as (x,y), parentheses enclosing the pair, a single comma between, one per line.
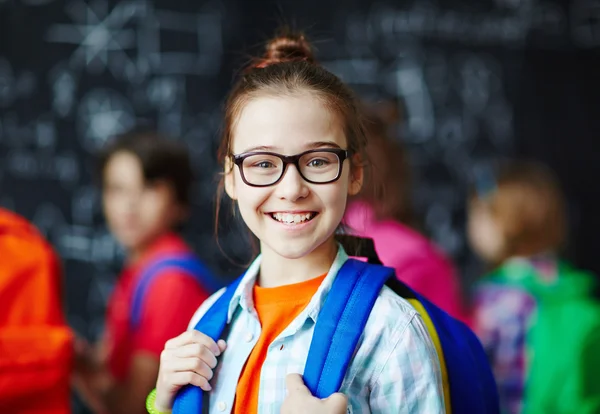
(395,370)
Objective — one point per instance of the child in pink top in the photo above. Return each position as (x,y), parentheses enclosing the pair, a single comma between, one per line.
(417,261)
(382,212)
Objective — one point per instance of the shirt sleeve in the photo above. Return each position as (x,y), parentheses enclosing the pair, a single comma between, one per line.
(410,381)
(170,302)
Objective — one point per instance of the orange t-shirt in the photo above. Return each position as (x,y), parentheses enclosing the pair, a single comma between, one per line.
(276,308)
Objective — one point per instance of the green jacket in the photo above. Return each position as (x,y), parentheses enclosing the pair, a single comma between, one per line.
(563,343)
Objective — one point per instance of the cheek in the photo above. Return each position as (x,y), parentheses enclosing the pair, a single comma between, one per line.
(249,199)
(156,208)
(334,198)
(484,236)
(114,207)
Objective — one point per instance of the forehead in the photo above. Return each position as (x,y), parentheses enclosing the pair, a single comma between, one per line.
(286,124)
(123,166)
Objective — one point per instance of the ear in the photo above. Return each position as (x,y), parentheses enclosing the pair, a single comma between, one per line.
(357,173)
(228,179)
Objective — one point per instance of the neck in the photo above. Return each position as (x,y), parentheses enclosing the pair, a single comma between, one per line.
(276,270)
(135,253)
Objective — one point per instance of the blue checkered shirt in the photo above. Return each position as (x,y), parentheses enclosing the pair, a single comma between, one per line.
(395,369)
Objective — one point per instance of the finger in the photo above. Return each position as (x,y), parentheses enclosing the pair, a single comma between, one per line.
(192,364)
(195,350)
(295,384)
(179,379)
(193,336)
(337,402)
(222,345)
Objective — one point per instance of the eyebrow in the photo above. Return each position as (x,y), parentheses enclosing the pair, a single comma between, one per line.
(312,145)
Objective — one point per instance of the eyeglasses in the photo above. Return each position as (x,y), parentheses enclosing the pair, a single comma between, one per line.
(319,166)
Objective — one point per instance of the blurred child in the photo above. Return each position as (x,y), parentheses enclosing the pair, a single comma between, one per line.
(36,344)
(534,312)
(146,182)
(382,211)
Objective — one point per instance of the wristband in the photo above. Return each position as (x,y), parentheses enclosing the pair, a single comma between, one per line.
(150,404)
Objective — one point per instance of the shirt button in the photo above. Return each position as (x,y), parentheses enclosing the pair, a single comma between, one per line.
(249,337)
(221,405)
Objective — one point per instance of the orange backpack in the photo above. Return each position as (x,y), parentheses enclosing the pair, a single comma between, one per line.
(36,345)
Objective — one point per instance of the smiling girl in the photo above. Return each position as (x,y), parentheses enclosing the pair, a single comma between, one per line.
(292,154)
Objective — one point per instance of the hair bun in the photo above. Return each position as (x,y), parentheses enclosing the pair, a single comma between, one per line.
(287,47)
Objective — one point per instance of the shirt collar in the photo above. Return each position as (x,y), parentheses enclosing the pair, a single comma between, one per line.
(242,296)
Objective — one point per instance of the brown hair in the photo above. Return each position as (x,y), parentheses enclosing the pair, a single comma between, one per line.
(387,178)
(529,208)
(288,67)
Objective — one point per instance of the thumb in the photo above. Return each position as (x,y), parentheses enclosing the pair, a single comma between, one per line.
(295,383)
(336,403)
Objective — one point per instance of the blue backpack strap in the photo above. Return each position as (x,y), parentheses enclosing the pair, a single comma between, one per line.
(341,323)
(188,263)
(190,398)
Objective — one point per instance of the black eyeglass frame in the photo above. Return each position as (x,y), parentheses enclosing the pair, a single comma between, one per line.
(342,154)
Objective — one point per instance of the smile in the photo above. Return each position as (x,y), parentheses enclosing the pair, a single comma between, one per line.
(293,218)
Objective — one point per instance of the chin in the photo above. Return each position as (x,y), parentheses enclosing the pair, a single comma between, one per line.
(293,249)
(292,252)
(129,241)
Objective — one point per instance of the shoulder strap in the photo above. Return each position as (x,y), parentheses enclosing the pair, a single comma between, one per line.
(190,398)
(187,263)
(341,323)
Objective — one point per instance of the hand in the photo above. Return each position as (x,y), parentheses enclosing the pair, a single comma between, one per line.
(299,400)
(83,354)
(88,377)
(187,359)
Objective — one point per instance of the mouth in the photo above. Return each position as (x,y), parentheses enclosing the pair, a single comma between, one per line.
(293,218)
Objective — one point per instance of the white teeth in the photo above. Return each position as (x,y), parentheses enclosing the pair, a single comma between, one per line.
(292,218)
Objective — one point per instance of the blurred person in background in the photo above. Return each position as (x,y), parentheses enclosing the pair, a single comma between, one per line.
(382,211)
(36,344)
(534,312)
(146,180)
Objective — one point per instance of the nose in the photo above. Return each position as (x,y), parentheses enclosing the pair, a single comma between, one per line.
(131,201)
(292,186)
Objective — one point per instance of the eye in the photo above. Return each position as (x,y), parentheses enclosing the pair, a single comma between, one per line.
(264,164)
(318,162)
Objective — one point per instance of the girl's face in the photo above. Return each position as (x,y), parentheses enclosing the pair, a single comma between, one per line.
(136,212)
(292,217)
(484,233)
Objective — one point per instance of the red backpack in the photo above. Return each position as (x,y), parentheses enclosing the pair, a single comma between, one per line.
(36,344)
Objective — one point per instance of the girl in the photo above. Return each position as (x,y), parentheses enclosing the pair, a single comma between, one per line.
(382,212)
(534,313)
(146,183)
(291,149)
